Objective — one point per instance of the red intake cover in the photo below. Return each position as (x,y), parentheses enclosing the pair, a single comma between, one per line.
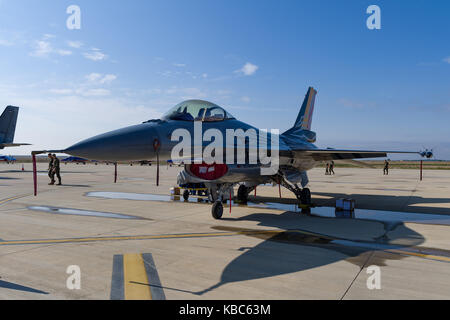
(208,171)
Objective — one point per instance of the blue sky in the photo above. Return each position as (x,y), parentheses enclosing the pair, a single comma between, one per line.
(131,61)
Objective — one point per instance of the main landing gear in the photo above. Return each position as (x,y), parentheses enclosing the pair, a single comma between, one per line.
(304,196)
(243,192)
(218,194)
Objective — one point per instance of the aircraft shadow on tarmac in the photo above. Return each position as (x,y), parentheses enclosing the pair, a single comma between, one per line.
(387,202)
(18,287)
(291,251)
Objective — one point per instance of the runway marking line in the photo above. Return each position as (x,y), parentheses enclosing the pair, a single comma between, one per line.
(144,237)
(421,255)
(135,277)
(200,235)
(136,284)
(13,198)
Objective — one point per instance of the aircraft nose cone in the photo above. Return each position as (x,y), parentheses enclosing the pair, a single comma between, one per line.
(131,143)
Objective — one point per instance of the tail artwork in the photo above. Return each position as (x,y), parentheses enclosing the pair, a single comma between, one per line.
(304,117)
(8,121)
(301,131)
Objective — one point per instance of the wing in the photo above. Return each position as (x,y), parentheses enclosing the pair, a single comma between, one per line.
(5,145)
(335,154)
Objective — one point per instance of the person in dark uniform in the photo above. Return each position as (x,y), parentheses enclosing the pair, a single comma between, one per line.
(56,169)
(386,167)
(327,170)
(51,175)
(332,167)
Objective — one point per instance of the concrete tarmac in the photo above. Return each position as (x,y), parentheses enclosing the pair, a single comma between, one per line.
(155,248)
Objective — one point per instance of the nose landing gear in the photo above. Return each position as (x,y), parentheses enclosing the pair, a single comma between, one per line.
(217,210)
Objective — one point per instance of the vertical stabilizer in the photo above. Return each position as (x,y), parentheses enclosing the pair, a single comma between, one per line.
(8,121)
(304,117)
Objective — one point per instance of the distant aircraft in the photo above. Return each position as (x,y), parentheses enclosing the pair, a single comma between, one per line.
(8,159)
(153,140)
(8,121)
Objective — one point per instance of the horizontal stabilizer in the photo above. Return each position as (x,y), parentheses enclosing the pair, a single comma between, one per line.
(5,145)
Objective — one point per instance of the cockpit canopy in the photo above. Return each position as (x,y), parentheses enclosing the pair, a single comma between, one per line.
(197,110)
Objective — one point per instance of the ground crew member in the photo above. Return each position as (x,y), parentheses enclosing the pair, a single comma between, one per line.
(386,167)
(327,171)
(332,167)
(56,169)
(51,175)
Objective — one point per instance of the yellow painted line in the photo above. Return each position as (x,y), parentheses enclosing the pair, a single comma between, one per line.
(421,255)
(145,237)
(12,198)
(136,285)
(199,235)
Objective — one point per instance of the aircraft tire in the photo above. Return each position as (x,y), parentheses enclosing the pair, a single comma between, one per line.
(242,194)
(217,210)
(186,195)
(306,196)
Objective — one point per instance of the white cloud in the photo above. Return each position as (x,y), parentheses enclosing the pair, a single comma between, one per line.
(61,91)
(48,36)
(75,44)
(64,52)
(42,49)
(93,77)
(447,59)
(108,78)
(248,69)
(95,55)
(180,65)
(169,73)
(245,99)
(101,79)
(96,93)
(6,43)
(50,113)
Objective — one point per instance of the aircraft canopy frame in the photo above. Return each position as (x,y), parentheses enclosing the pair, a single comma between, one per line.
(197,110)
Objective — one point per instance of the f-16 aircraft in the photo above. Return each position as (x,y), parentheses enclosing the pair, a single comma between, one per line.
(8,121)
(292,153)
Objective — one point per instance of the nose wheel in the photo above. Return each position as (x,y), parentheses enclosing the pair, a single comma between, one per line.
(217,210)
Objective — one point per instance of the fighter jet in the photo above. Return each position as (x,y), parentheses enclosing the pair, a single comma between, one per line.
(240,158)
(8,121)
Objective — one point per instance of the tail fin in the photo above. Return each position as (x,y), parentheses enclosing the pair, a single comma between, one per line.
(306,112)
(8,121)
